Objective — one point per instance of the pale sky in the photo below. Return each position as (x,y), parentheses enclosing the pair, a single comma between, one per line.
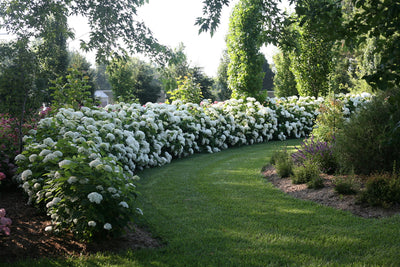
(172,22)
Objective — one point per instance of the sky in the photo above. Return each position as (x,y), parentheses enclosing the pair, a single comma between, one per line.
(172,22)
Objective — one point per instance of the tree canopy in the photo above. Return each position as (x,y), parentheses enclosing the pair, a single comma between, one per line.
(115,25)
(365,19)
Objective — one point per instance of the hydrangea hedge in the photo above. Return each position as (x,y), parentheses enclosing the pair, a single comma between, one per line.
(80,166)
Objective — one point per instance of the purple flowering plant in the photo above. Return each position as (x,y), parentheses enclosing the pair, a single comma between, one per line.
(317,151)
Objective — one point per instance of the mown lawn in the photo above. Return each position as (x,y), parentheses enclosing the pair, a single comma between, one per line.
(218,210)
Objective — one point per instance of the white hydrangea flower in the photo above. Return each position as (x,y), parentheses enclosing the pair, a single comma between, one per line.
(55,201)
(64,163)
(94,163)
(48,228)
(95,197)
(139,211)
(50,157)
(58,153)
(92,223)
(112,190)
(20,157)
(37,186)
(107,226)
(26,174)
(44,152)
(124,204)
(32,158)
(107,168)
(25,186)
(49,142)
(72,179)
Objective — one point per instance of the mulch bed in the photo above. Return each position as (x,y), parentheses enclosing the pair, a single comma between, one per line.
(28,240)
(327,196)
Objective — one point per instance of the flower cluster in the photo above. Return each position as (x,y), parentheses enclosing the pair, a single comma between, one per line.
(4,222)
(318,151)
(80,165)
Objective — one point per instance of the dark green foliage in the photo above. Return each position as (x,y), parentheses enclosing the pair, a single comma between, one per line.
(203,80)
(134,79)
(305,173)
(268,80)
(283,163)
(316,183)
(80,63)
(345,186)
(244,40)
(284,80)
(379,19)
(71,91)
(382,190)
(18,72)
(370,141)
(221,81)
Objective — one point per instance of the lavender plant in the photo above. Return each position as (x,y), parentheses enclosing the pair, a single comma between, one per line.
(317,151)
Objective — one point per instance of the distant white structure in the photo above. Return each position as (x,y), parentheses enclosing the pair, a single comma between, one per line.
(105,97)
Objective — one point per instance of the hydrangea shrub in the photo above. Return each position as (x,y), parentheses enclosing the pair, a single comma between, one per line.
(80,166)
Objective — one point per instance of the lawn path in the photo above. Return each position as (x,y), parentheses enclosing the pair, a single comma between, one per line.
(218,210)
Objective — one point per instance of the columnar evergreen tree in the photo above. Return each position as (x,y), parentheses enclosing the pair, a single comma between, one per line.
(221,81)
(311,62)
(244,40)
(268,80)
(284,80)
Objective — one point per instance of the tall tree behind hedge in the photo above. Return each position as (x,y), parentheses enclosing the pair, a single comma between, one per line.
(80,63)
(312,62)
(18,93)
(51,49)
(268,80)
(284,80)
(133,80)
(221,81)
(244,40)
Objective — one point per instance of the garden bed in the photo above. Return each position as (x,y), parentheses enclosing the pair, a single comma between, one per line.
(28,240)
(327,196)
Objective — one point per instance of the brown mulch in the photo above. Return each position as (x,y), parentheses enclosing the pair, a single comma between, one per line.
(28,240)
(327,196)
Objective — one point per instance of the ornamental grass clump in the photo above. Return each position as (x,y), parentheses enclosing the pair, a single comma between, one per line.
(283,163)
(307,172)
(346,185)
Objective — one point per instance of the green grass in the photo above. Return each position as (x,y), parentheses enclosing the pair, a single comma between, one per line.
(218,210)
